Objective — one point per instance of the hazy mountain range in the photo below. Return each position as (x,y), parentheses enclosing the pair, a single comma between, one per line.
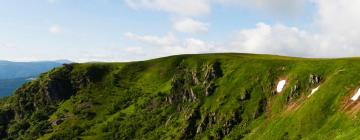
(14,74)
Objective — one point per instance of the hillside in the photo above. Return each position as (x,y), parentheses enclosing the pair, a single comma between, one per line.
(210,96)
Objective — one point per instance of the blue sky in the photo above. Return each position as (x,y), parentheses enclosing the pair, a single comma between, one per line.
(126,30)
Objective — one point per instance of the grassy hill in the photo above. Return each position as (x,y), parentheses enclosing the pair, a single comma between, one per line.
(210,96)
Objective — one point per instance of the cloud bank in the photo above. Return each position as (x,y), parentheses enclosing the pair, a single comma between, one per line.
(335,29)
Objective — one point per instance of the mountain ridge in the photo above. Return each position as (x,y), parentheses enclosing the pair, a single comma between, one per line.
(207,96)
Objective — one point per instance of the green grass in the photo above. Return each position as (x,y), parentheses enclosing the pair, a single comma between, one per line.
(130,100)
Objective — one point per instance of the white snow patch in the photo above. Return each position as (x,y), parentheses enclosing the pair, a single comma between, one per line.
(280,85)
(314,90)
(356,96)
(31,79)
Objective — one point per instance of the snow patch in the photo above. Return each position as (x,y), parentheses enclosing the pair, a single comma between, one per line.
(314,90)
(280,85)
(31,79)
(356,96)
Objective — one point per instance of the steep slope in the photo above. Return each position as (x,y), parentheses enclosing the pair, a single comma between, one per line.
(214,96)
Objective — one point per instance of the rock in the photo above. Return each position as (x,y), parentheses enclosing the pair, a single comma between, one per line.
(210,89)
(294,93)
(194,78)
(212,72)
(314,79)
(245,95)
(54,87)
(190,131)
(185,80)
(57,121)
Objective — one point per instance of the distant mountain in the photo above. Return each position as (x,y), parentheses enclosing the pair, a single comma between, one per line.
(7,86)
(11,70)
(14,74)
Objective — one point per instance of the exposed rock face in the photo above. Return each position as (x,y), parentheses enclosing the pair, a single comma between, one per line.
(185,81)
(58,121)
(210,88)
(195,79)
(294,93)
(245,95)
(211,72)
(210,120)
(314,79)
(207,122)
(190,131)
(181,90)
(227,127)
(43,94)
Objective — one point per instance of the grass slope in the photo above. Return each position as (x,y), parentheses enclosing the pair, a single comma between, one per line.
(210,96)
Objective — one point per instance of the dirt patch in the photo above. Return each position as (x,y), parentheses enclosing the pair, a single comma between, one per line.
(293,106)
(351,104)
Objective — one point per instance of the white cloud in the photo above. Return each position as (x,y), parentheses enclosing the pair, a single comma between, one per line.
(203,7)
(6,45)
(171,45)
(277,39)
(335,33)
(177,7)
(167,40)
(278,7)
(339,21)
(134,50)
(188,25)
(55,29)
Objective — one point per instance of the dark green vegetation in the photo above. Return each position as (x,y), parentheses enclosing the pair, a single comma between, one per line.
(215,96)
(14,74)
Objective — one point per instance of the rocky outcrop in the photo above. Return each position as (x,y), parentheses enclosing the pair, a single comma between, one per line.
(57,121)
(225,125)
(245,95)
(50,89)
(185,81)
(208,121)
(181,91)
(294,93)
(210,88)
(314,80)
(212,72)
(190,130)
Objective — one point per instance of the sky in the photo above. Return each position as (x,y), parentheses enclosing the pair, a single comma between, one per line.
(131,30)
